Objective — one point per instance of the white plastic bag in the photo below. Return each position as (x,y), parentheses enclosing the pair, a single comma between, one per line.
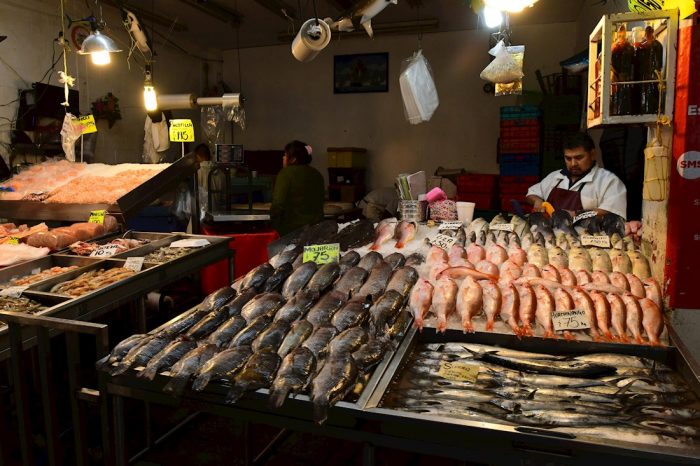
(420,98)
(155,141)
(70,132)
(503,69)
(517,52)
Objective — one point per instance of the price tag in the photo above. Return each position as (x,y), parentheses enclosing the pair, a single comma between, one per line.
(584,215)
(190,243)
(570,320)
(450,226)
(322,253)
(502,227)
(106,250)
(87,124)
(595,240)
(134,263)
(181,131)
(443,241)
(13,291)
(458,371)
(97,216)
(13,240)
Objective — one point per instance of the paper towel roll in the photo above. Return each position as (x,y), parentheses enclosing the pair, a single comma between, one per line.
(231,100)
(305,48)
(176,101)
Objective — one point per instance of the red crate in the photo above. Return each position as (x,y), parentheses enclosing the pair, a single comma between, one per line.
(516,184)
(520,146)
(520,132)
(521,122)
(477,182)
(481,201)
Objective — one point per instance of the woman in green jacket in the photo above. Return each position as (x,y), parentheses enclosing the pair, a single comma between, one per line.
(299,191)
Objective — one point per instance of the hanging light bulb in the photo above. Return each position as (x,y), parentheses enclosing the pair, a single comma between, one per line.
(150,99)
(99,46)
(492,17)
(100,58)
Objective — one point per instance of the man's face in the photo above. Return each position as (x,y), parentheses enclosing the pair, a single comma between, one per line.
(578,160)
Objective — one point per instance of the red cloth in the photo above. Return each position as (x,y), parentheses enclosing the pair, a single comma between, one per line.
(250,250)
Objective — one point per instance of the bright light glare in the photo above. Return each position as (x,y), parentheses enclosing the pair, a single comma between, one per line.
(492,17)
(100,58)
(511,6)
(149,98)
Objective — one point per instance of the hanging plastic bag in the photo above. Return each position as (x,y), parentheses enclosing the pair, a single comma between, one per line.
(517,52)
(656,171)
(497,48)
(212,124)
(155,141)
(70,132)
(503,69)
(420,98)
(233,109)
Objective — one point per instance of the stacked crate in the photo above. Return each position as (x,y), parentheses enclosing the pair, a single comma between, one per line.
(478,188)
(520,147)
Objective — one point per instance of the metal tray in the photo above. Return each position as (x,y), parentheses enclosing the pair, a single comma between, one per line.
(152,237)
(164,242)
(516,444)
(38,265)
(53,302)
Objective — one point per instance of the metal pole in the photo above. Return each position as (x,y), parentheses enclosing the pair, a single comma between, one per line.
(119,441)
(80,435)
(20,384)
(48,395)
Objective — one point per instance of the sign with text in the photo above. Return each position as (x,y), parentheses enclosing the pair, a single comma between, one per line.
(134,263)
(450,226)
(106,250)
(443,241)
(181,130)
(87,124)
(570,320)
(585,215)
(502,227)
(13,240)
(322,253)
(459,372)
(97,216)
(595,240)
(190,243)
(13,291)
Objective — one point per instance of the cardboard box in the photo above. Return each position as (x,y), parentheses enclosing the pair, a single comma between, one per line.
(443,183)
(347,157)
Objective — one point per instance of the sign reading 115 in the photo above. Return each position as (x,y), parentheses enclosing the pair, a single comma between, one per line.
(181,131)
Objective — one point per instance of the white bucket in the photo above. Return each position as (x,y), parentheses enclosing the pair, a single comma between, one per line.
(305,48)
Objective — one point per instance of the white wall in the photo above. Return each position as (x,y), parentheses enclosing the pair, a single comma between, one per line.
(31,26)
(290,100)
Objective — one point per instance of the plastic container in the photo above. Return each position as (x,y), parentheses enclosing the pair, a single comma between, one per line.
(413,211)
(465,212)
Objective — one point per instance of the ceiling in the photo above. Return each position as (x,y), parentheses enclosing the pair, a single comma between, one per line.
(226,24)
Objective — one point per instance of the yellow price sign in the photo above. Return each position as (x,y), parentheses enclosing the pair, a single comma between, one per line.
(97,216)
(13,240)
(87,124)
(181,131)
(459,372)
(322,253)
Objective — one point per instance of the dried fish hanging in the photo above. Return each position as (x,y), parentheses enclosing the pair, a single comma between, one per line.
(71,129)
(657,157)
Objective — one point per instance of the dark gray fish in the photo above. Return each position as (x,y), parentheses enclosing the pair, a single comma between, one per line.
(540,220)
(217,299)
(324,277)
(562,220)
(348,341)
(369,260)
(332,383)
(351,281)
(293,375)
(298,261)
(208,324)
(121,349)
(297,306)
(414,260)
(265,303)
(287,256)
(272,336)
(356,235)
(276,280)
(225,363)
(565,368)
(613,223)
(187,367)
(359,387)
(221,337)
(319,339)
(246,336)
(385,310)
(403,280)
(235,306)
(319,233)
(348,260)
(298,332)
(323,310)
(590,225)
(256,278)
(371,353)
(461,237)
(398,327)
(376,282)
(353,314)
(298,279)
(395,260)
(141,354)
(167,357)
(258,372)
(184,323)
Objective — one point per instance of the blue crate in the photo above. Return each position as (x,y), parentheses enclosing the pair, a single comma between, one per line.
(533,158)
(520,168)
(517,112)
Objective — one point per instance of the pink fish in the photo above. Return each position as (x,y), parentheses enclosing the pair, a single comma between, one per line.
(436,269)
(545,307)
(567,277)
(634,317)
(469,302)
(604,287)
(462,272)
(583,277)
(652,320)
(384,232)
(444,301)
(492,302)
(618,316)
(457,253)
(600,277)
(564,302)
(531,270)
(517,255)
(584,302)
(510,271)
(636,287)
(510,306)
(528,306)
(653,291)
(405,232)
(602,313)
(475,253)
(420,301)
(496,254)
(436,255)
(550,272)
(619,280)
(487,267)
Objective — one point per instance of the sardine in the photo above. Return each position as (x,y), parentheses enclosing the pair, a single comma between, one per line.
(324,277)
(121,349)
(246,336)
(553,367)
(624,434)
(563,418)
(369,260)
(167,357)
(141,354)
(277,279)
(258,372)
(351,281)
(271,337)
(208,324)
(186,368)
(403,280)
(298,279)
(376,281)
(297,306)
(322,312)
(256,278)
(298,332)
(225,363)
(384,310)
(332,383)
(264,303)
(352,314)
(293,375)
(319,339)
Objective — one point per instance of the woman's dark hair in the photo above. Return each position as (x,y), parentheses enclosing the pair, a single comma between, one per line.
(581,139)
(203,149)
(299,153)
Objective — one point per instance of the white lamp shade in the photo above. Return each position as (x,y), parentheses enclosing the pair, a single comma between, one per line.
(96,43)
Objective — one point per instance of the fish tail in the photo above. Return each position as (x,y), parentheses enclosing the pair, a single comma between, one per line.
(418,323)
(149,373)
(119,369)
(177,385)
(321,404)
(489,325)
(200,382)
(527,330)
(609,336)
(278,395)
(569,336)
(235,394)
(400,244)
(375,246)
(104,362)
(441,325)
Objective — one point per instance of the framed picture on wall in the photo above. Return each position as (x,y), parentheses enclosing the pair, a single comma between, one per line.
(364,72)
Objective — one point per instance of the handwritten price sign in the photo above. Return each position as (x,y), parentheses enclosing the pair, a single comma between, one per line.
(570,320)
(322,253)
(87,124)
(502,227)
(97,216)
(450,226)
(595,240)
(181,130)
(445,242)
(585,215)
(107,250)
(459,372)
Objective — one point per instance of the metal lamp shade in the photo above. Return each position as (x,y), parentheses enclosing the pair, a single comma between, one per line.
(97,42)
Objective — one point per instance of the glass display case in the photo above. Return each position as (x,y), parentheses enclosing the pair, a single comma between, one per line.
(632,66)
